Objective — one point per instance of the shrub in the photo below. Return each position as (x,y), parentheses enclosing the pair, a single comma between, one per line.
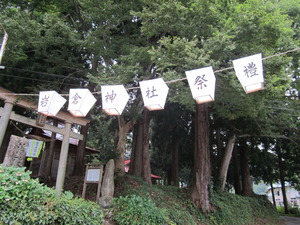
(177,208)
(25,201)
(78,211)
(248,209)
(280,210)
(134,210)
(295,211)
(292,210)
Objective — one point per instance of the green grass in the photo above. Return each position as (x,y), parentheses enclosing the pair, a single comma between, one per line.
(177,208)
(293,211)
(25,201)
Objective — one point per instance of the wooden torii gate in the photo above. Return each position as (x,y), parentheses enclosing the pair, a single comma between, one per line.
(10,99)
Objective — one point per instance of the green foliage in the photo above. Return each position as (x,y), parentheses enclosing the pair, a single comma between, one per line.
(102,137)
(78,211)
(176,207)
(280,210)
(43,51)
(133,210)
(25,201)
(248,209)
(128,41)
(293,210)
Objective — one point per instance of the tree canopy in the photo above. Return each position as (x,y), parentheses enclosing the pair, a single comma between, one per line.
(82,43)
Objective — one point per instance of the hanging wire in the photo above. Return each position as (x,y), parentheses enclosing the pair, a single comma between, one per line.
(34,79)
(48,74)
(168,82)
(229,68)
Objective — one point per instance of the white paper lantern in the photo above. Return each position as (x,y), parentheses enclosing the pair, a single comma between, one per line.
(202,84)
(50,102)
(114,99)
(249,71)
(80,102)
(154,93)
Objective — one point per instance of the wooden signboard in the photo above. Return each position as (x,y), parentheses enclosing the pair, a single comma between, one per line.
(41,119)
(93,175)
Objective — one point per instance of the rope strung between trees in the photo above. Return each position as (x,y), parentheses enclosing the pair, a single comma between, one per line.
(167,82)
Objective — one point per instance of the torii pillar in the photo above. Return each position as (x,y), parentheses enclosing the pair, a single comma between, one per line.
(63,159)
(9,104)
(7,114)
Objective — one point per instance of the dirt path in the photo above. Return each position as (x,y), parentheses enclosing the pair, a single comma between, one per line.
(289,220)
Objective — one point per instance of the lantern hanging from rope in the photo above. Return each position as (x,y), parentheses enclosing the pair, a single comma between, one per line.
(249,71)
(50,102)
(154,93)
(202,84)
(80,102)
(114,99)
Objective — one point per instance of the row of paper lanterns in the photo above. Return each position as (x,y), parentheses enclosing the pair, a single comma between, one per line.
(249,71)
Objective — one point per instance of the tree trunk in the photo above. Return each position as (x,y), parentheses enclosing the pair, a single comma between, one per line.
(285,202)
(121,147)
(223,169)
(173,176)
(146,172)
(282,180)
(50,154)
(236,172)
(79,162)
(219,147)
(124,128)
(136,154)
(140,160)
(273,195)
(245,171)
(202,166)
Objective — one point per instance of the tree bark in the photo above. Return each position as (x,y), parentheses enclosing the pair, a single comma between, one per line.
(223,169)
(282,180)
(245,171)
(220,146)
(50,154)
(146,172)
(140,160)
(236,172)
(136,154)
(173,177)
(202,166)
(273,195)
(79,162)
(124,128)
